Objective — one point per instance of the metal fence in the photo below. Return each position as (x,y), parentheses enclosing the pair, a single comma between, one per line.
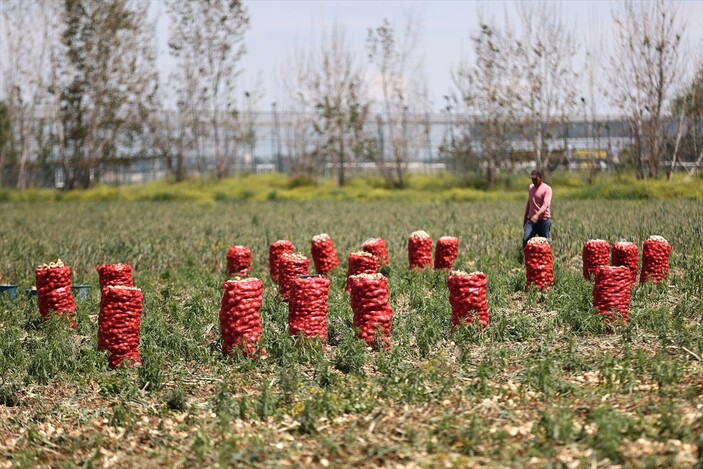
(576,144)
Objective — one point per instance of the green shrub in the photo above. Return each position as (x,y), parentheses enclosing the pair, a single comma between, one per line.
(419,188)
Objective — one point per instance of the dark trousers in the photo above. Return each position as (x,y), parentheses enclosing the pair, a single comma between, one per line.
(541,228)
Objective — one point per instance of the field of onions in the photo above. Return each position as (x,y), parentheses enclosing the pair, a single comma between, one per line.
(548,382)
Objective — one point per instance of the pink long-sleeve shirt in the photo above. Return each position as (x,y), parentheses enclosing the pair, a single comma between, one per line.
(539,200)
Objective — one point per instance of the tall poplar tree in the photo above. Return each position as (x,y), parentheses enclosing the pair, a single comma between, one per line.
(111,84)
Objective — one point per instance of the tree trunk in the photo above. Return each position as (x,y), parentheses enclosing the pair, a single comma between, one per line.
(674,157)
(342,159)
(638,151)
(695,166)
(490,171)
(537,148)
(22,170)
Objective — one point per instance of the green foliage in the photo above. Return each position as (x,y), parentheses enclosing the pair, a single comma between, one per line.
(9,395)
(103,109)
(690,101)
(629,188)
(122,415)
(556,427)
(612,428)
(351,356)
(177,400)
(150,373)
(543,376)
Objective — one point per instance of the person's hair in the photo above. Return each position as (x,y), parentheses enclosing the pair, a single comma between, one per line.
(536,172)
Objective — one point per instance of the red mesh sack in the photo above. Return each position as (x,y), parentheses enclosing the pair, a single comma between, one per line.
(290,267)
(361,262)
(446,252)
(276,250)
(115,275)
(655,259)
(467,296)
(626,254)
(307,308)
(119,323)
(596,252)
(371,307)
(238,261)
(377,247)
(54,291)
(539,266)
(240,322)
(419,250)
(323,254)
(611,292)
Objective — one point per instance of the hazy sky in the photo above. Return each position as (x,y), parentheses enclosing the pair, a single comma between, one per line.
(445,29)
(278,26)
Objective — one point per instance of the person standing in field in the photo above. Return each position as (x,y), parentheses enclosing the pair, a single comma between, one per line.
(537,221)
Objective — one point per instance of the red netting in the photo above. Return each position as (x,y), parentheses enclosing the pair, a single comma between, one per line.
(419,250)
(290,267)
(361,262)
(596,252)
(118,325)
(238,261)
(655,259)
(377,247)
(467,296)
(240,322)
(115,274)
(539,263)
(323,254)
(626,254)
(446,252)
(307,308)
(276,250)
(54,291)
(372,310)
(611,292)
(111,275)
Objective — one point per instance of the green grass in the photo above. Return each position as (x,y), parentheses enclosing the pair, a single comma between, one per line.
(420,189)
(545,384)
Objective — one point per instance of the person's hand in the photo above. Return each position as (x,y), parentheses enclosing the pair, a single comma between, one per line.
(534,218)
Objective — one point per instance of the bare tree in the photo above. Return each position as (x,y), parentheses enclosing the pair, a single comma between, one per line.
(403,97)
(590,117)
(341,108)
(7,150)
(299,138)
(248,123)
(644,66)
(484,89)
(30,36)
(688,107)
(456,147)
(207,40)
(328,87)
(546,93)
(170,143)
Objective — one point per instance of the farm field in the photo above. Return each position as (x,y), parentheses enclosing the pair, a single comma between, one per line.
(546,384)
